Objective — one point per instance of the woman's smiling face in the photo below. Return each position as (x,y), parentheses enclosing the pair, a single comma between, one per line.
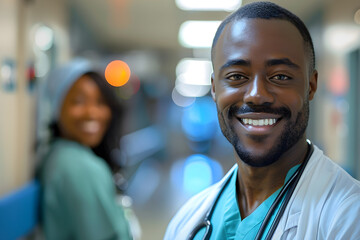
(84,116)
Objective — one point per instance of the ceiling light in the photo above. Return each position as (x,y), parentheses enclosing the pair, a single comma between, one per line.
(199,69)
(190,90)
(181,100)
(44,37)
(193,77)
(197,34)
(208,5)
(341,37)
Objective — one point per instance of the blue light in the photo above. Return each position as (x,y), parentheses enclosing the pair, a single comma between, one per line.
(199,121)
(199,173)
(194,174)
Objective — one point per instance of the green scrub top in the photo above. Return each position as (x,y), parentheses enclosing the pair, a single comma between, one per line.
(79,195)
(226,219)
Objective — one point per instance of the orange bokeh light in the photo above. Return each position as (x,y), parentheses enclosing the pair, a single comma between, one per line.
(117,73)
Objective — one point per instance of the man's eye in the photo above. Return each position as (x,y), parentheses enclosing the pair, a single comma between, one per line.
(281,77)
(236,77)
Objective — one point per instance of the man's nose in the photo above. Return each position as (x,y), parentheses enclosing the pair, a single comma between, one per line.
(258,92)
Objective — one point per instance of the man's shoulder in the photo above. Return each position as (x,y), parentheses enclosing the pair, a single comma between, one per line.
(332,197)
(194,210)
(326,185)
(195,204)
(324,167)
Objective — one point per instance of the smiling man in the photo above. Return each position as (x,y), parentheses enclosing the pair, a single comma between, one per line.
(282,187)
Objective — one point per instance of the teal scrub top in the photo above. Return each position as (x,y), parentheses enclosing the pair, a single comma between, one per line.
(226,219)
(79,195)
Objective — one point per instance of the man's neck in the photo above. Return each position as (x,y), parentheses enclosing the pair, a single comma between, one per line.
(256,184)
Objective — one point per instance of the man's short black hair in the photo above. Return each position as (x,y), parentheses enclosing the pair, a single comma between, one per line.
(268,10)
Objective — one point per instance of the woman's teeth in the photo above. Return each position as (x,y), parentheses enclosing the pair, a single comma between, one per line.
(91,127)
(259,122)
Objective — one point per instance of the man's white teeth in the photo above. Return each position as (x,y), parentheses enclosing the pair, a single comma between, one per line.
(259,122)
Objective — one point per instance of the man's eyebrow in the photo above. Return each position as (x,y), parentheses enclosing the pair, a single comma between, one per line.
(282,61)
(237,62)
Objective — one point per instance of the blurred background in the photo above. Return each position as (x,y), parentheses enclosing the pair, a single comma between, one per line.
(172,144)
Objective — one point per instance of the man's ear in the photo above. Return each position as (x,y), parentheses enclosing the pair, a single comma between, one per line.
(212,87)
(313,84)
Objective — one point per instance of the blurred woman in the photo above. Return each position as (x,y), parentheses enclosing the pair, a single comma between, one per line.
(79,194)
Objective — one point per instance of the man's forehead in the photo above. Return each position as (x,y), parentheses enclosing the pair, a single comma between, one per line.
(257,29)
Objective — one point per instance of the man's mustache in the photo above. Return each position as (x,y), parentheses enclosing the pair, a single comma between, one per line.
(235,110)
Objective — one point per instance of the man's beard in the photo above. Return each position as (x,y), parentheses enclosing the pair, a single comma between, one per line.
(291,134)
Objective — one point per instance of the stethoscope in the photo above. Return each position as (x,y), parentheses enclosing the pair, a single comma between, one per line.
(288,188)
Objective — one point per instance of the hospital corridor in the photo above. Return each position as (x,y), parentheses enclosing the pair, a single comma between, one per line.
(140,72)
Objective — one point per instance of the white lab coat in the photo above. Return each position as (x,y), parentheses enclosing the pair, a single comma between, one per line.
(324,205)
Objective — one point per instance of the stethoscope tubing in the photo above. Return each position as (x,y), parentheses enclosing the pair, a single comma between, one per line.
(288,188)
(206,221)
(292,183)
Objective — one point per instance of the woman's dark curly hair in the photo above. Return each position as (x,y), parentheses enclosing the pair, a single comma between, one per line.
(111,138)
